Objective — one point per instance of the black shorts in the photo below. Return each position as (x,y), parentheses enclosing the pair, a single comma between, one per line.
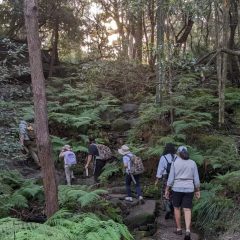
(182,199)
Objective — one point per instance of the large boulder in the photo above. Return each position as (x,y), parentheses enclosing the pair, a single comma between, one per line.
(129,107)
(141,215)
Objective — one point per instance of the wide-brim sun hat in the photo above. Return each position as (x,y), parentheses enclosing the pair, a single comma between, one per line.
(124,150)
(67,147)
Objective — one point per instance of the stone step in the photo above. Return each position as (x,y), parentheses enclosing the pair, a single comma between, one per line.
(141,215)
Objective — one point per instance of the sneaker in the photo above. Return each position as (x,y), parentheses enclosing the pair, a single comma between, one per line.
(129,199)
(140,199)
(178,232)
(187,236)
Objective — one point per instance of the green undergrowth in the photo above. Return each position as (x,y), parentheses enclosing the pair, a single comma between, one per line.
(85,213)
(194,109)
(64,225)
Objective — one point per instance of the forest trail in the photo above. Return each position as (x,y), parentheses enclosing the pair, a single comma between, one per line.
(165,230)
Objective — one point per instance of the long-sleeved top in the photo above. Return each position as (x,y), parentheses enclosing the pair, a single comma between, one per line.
(162,166)
(183,176)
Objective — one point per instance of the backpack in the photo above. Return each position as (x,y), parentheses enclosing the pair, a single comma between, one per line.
(169,164)
(104,152)
(70,158)
(136,165)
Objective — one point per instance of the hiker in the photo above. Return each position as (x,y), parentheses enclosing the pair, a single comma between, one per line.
(69,161)
(28,141)
(163,170)
(99,154)
(127,162)
(184,182)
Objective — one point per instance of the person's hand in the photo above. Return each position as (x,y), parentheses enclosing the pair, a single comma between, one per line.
(86,166)
(197,194)
(156,182)
(167,193)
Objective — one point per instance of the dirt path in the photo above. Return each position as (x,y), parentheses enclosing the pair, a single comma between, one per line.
(165,230)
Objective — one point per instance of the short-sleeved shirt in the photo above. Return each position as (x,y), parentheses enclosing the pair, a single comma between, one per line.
(92,150)
(65,156)
(23,130)
(163,162)
(126,161)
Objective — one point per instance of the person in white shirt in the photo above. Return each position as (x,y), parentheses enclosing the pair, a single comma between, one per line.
(163,170)
(125,152)
(69,160)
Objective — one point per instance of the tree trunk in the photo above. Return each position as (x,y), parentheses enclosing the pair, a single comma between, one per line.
(233,69)
(222,59)
(54,52)
(160,51)
(151,13)
(40,107)
(139,32)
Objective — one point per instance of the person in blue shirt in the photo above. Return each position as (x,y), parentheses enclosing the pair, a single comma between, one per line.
(164,165)
(184,181)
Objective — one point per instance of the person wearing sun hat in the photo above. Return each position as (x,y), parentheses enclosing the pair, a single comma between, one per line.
(127,154)
(184,181)
(69,160)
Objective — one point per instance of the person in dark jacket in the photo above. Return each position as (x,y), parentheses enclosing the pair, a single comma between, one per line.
(93,155)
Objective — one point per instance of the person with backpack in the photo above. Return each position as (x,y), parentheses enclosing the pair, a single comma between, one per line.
(134,168)
(184,181)
(163,170)
(27,140)
(98,153)
(69,161)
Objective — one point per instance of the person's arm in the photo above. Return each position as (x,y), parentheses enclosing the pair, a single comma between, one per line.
(61,155)
(170,181)
(160,170)
(21,135)
(91,154)
(21,139)
(196,182)
(89,159)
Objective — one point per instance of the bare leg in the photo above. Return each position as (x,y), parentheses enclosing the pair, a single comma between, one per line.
(187,216)
(177,214)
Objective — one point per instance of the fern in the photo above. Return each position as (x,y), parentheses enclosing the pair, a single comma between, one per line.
(109,170)
(211,210)
(83,195)
(63,225)
(230,181)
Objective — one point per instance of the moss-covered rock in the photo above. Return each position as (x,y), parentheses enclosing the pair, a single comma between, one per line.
(121,124)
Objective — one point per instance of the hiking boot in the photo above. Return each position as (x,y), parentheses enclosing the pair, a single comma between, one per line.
(140,199)
(187,236)
(129,199)
(178,232)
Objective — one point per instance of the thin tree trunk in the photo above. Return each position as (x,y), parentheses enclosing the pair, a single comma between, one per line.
(170,75)
(222,60)
(54,52)
(151,13)
(139,32)
(160,51)
(40,107)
